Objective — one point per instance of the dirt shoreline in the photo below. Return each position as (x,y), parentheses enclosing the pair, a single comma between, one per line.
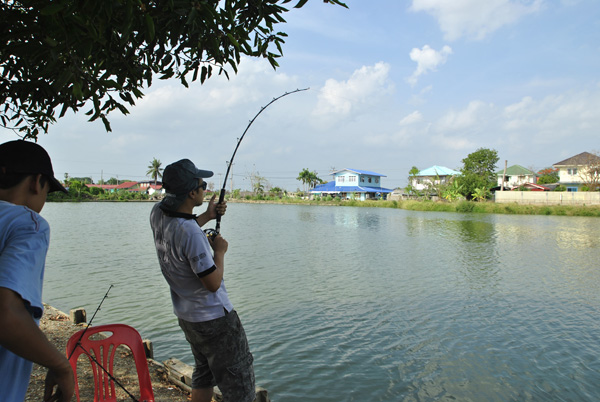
(58,328)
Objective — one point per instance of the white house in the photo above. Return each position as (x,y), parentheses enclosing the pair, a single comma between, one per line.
(516,176)
(578,170)
(434,175)
(353,184)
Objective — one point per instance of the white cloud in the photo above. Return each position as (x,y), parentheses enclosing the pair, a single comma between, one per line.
(554,118)
(475,18)
(412,118)
(364,87)
(454,143)
(122,142)
(475,114)
(427,59)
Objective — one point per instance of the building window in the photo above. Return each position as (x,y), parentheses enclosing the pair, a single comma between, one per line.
(369,179)
(572,171)
(572,189)
(377,180)
(352,178)
(341,179)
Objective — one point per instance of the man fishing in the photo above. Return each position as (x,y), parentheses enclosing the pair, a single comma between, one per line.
(26,178)
(195,276)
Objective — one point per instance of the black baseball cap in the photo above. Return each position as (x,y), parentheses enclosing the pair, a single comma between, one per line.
(22,156)
(179,178)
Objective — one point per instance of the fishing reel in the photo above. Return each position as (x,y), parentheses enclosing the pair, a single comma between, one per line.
(211,233)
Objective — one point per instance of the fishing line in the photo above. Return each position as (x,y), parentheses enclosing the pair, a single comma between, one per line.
(211,233)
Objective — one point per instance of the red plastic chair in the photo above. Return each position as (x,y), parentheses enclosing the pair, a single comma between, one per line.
(103,350)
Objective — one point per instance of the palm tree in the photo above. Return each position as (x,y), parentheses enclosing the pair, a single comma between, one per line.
(154,170)
(305,177)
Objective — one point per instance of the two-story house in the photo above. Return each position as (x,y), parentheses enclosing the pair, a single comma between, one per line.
(578,171)
(353,184)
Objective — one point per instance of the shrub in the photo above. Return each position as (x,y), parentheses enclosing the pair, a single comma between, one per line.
(465,206)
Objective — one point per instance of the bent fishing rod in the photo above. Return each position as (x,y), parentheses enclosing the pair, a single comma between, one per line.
(211,233)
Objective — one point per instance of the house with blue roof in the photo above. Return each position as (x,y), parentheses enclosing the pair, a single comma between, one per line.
(433,176)
(353,184)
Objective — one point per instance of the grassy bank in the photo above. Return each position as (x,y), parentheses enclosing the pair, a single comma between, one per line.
(412,205)
(458,206)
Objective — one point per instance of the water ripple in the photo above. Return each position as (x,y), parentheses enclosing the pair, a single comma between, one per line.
(354,304)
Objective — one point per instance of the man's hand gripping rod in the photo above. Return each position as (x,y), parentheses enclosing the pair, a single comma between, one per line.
(211,233)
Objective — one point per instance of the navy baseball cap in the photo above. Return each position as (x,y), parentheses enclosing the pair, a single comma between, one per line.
(179,178)
(22,156)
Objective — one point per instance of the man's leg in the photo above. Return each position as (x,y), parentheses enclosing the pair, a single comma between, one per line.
(202,394)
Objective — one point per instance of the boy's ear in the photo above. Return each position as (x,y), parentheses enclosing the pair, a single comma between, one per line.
(34,183)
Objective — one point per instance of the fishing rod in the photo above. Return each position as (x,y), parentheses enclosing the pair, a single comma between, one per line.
(88,354)
(90,323)
(211,233)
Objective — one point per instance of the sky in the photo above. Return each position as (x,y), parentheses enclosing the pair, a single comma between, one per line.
(392,84)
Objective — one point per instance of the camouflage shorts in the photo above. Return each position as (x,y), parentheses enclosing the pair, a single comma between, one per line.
(222,357)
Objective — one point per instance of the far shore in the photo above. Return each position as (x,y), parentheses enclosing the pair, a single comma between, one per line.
(486,207)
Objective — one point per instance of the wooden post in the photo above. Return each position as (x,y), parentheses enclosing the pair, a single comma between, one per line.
(180,374)
(148,349)
(78,315)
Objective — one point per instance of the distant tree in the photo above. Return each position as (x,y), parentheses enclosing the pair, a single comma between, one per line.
(76,187)
(412,180)
(85,180)
(112,181)
(478,171)
(548,176)
(589,172)
(276,191)
(154,170)
(309,179)
(64,54)
(305,176)
(258,182)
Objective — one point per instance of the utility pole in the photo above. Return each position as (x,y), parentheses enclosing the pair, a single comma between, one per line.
(503,175)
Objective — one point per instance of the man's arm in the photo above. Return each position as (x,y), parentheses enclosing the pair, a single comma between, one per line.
(212,211)
(21,335)
(212,281)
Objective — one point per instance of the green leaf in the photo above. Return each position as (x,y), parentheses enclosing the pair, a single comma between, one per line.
(77,90)
(106,123)
(150,33)
(52,9)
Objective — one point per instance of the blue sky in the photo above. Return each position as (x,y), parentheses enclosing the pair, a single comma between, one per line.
(393,84)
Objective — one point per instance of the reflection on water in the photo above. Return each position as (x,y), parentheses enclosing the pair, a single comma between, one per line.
(355,304)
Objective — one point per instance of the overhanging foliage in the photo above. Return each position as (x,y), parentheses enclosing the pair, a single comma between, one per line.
(57,55)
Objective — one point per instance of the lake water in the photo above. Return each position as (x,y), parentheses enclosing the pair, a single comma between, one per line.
(364,304)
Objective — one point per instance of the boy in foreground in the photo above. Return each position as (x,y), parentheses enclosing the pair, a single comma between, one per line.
(26,178)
